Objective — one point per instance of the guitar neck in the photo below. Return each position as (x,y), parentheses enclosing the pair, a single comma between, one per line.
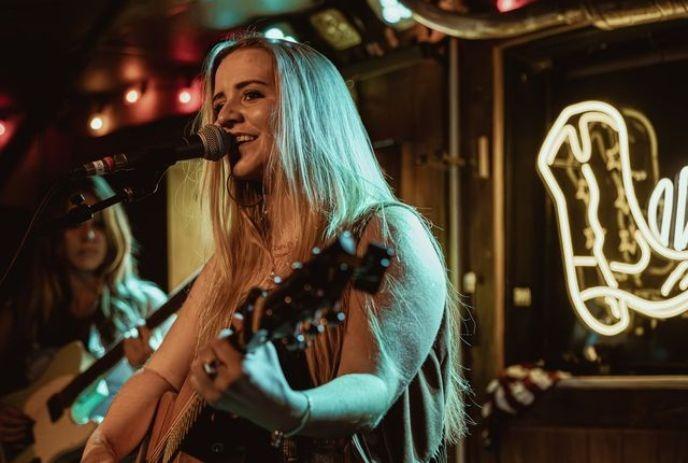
(101,366)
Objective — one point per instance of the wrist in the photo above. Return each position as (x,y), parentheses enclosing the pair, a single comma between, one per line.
(299,406)
(278,436)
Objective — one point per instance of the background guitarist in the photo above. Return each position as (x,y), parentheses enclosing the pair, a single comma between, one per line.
(385,383)
(82,285)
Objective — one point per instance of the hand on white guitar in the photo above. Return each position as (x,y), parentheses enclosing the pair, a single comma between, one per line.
(15,426)
(137,350)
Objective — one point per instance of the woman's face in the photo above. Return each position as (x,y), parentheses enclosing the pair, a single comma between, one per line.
(85,245)
(244,98)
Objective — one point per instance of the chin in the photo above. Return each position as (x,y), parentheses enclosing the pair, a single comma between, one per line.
(87,265)
(246,172)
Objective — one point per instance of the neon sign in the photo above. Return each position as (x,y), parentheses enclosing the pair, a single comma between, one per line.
(600,166)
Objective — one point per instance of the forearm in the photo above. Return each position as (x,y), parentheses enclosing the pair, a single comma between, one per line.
(345,405)
(130,414)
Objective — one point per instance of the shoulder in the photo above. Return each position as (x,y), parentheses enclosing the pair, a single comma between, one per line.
(418,256)
(154,295)
(143,294)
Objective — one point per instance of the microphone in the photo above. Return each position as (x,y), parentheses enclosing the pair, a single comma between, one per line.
(210,142)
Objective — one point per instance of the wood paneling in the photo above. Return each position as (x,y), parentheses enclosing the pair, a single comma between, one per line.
(525,444)
(606,446)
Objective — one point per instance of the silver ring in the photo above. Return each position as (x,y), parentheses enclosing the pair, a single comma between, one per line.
(210,369)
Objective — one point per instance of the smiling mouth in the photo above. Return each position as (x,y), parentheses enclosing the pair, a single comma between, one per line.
(241,139)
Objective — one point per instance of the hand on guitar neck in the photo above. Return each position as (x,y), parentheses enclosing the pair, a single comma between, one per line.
(15,427)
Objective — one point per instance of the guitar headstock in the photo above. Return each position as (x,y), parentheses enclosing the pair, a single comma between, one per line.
(309,299)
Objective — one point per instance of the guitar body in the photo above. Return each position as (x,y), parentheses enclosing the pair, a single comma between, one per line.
(185,429)
(53,440)
(216,437)
(155,439)
(76,379)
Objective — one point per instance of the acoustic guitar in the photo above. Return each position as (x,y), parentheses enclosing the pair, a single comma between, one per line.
(62,400)
(298,309)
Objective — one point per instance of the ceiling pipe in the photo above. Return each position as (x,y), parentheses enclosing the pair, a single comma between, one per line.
(545,14)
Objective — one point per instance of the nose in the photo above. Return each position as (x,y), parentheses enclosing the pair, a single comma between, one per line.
(229,115)
(87,231)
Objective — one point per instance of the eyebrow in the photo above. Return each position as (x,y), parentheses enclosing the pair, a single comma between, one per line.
(241,85)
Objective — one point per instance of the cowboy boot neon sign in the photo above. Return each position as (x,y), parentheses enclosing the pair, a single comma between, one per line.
(616,258)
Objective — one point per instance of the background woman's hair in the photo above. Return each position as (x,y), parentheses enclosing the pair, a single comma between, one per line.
(124,299)
(323,178)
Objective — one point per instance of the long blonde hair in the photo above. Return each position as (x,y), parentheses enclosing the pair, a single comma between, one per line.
(323,178)
(125,298)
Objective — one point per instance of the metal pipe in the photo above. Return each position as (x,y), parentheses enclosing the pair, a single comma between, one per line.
(604,14)
(454,173)
(454,241)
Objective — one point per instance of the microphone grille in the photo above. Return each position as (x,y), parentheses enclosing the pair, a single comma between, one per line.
(216,142)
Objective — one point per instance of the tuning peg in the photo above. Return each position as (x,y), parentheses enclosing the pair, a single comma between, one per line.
(315,329)
(296,265)
(295,342)
(335,317)
(255,293)
(77,199)
(277,280)
(315,251)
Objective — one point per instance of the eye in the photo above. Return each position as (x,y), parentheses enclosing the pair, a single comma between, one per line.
(217,107)
(252,95)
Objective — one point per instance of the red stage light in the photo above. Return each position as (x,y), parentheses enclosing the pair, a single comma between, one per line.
(132,95)
(184,96)
(508,5)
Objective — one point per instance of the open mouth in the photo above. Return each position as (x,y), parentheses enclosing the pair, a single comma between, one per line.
(242,139)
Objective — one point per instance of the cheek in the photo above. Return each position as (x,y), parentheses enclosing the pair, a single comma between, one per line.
(70,243)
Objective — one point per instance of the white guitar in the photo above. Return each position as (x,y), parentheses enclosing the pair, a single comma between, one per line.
(63,399)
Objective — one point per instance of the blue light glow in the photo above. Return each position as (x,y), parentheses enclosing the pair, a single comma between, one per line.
(393,11)
(276,33)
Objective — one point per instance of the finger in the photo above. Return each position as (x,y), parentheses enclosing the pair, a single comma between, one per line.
(237,322)
(10,411)
(223,350)
(11,435)
(16,420)
(202,383)
(144,335)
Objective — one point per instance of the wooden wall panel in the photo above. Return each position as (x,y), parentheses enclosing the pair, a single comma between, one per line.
(605,446)
(525,444)
(673,447)
(640,446)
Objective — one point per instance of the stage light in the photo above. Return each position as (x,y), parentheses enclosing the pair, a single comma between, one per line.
(99,123)
(132,95)
(393,12)
(3,129)
(335,29)
(96,122)
(283,31)
(184,96)
(509,5)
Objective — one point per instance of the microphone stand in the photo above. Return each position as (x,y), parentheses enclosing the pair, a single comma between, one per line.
(139,186)
(142,184)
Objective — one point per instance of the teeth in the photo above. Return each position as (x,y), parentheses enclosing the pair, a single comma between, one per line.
(242,138)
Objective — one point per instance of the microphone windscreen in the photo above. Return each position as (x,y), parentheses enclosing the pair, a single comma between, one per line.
(216,142)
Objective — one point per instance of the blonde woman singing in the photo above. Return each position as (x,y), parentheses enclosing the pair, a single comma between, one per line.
(384,386)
